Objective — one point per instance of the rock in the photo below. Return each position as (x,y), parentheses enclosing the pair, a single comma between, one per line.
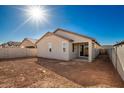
(22,78)
(12,70)
(44,71)
(40,69)
(0,67)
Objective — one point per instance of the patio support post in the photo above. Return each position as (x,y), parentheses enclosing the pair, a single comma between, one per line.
(90,51)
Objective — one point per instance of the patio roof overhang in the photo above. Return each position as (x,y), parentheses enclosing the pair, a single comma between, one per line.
(80,42)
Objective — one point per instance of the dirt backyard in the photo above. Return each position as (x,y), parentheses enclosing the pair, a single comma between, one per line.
(26,72)
(33,72)
(99,73)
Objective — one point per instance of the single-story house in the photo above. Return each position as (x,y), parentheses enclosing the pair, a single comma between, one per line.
(28,43)
(65,45)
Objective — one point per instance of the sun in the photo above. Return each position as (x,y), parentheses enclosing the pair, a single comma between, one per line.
(36,13)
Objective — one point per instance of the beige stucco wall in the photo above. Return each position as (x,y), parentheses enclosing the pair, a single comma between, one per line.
(57,50)
(26,43)
(96,49)
(77,39)
(17,52)
(74,54)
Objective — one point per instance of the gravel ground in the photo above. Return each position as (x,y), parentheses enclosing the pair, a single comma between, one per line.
(33,72)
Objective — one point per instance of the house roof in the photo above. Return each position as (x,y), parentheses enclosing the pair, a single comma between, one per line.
(120,43)
(32,40)
(76,34)
(55,35)
(29,39)
(63,37)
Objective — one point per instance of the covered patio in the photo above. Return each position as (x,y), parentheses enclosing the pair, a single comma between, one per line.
(82,51)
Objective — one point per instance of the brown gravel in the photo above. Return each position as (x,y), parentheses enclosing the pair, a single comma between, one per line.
(33,72)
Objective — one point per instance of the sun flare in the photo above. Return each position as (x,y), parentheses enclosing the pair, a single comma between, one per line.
(36,13)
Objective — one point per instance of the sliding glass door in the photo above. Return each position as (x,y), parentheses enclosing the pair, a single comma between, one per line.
(83,50)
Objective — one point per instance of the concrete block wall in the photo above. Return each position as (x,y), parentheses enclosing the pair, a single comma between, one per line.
(17,52)
(116,54)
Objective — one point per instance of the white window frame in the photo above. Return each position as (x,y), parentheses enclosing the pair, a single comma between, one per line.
(64,45)
(50,46)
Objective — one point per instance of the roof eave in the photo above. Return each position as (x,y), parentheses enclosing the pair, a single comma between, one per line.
(73,33)
(77,34)
(55,35)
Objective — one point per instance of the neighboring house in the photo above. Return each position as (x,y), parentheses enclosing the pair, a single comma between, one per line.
(119,50)
(10,44)
(66,45)
(104,49)
(119,43)
(107,46)
(28,43)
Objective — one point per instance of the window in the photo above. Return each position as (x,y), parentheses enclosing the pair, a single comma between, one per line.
(72,47)
(93,45)
(50,47)
(64,46)
(64,49)
(50,50)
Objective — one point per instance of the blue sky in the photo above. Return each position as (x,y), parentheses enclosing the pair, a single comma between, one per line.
(104,23)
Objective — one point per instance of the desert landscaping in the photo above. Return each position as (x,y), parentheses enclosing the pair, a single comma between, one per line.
(40,72)
(61,46)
